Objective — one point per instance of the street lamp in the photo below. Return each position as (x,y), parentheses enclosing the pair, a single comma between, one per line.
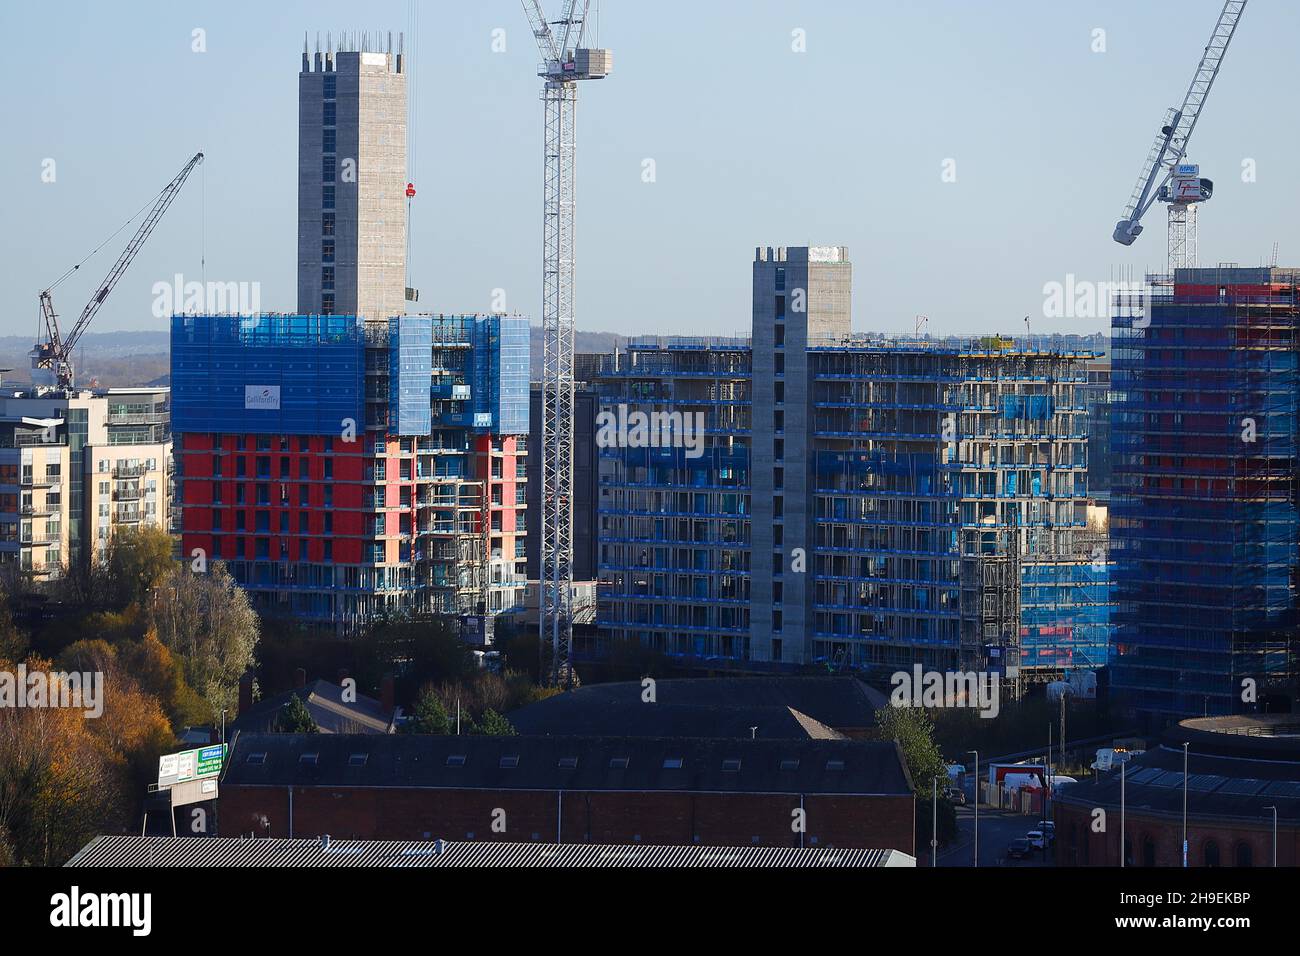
(1274,809)
(1185,745)
(1123,766)
(977,806)
(934,834)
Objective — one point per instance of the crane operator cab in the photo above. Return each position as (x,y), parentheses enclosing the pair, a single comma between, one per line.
(1186,185)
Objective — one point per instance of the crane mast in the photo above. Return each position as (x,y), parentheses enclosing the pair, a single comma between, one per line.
(55,353)
(565,61)
(1164,175)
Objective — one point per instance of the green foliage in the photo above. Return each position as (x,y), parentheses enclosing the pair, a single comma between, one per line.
(913,729)
(207,622)
(493,724)
(295,718)
(428,716)
(136,563)
(14,644)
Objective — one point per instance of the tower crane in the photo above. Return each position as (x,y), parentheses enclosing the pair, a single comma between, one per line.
(565,61)
(55,353)
(1165,175)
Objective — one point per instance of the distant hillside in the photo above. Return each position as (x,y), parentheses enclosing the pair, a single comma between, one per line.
(113,359)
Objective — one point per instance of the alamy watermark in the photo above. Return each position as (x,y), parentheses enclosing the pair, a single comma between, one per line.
(206,298)
(74,690)
(918,687)
(621,428)
(1077,298)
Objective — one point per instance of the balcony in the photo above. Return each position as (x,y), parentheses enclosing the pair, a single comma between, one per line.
(47,481)
(41,539)
(130,471)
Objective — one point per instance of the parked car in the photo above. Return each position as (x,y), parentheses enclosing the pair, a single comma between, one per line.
(1018,849)
(955,795)
(1036,839)
(1049,830)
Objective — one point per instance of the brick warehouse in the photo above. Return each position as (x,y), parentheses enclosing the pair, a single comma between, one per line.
(659,791)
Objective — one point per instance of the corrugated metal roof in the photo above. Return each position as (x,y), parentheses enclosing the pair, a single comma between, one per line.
(132,851)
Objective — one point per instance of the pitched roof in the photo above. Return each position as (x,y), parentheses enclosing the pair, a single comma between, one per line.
(568,763)
(325,703)
(218,851)
(779,707)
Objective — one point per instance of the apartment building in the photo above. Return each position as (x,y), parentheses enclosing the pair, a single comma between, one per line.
(76,467)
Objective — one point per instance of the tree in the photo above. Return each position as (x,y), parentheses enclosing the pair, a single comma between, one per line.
(136,563)
(14,644)
(493,724)
(428,716)
(295,718)
(59,785)
(160,673)
(913,730)
(206,621)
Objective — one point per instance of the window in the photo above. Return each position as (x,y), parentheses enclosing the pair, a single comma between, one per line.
(327,250)
(257,759)
(790,763)
(311,759)
(329,85)
(618,763)
(327,224)
(327,169)
(672,763)
(509,762)
(327,277)
(330,114)
(327,197)
(358,760)
(456,760)
(1245,856)
(329,141)
(568,763)
(780,278)
(1211,853)
(731,765)
(835,765)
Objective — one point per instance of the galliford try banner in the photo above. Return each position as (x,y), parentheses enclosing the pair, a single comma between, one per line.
(262,396)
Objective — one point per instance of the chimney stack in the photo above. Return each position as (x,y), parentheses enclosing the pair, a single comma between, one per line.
(388,694)
(299,678)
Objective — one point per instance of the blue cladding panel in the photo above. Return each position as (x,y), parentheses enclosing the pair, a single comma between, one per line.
(411,370)
(511,360)
(316,362)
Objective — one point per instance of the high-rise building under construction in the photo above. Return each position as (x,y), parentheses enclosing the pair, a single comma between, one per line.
(1204,522)
(355,460)
(855,499)
(352,181)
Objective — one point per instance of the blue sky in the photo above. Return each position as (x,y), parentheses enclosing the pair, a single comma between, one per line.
(753,144)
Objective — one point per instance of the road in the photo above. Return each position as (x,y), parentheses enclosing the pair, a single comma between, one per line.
(997,829)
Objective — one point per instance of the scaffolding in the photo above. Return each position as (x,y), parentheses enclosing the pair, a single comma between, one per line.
(1204,516)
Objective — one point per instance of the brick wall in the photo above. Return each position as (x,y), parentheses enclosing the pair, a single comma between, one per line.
(716,819)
